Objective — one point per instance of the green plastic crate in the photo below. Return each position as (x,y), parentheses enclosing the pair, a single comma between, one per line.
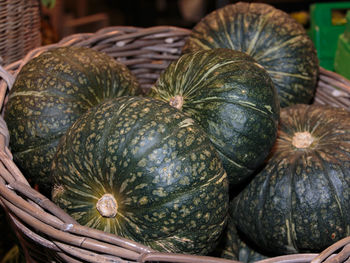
(342,55)
(324,32)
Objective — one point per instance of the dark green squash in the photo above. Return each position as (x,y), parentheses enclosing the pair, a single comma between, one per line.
(300,202)
(232,98)
(272,37)
(153,166)
(234,246)
(49,93)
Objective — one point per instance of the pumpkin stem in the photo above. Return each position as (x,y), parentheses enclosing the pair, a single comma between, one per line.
(302,139)
(177,102)
(107,206)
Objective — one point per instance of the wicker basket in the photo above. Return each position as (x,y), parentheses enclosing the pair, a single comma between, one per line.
(48,234)
(20,29)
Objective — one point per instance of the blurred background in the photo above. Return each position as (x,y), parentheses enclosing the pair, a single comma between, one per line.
(67,17)
(323,20)
(26,24)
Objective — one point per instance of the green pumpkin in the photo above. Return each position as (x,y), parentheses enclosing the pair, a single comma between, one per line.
(232,98)
(273,38)
(48,95)
(234,246)
(141,169)
(300,202)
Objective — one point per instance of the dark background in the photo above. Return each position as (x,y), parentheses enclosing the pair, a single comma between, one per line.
(68,17)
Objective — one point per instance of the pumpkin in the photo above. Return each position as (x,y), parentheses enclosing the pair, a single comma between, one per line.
(234,246)
(300,202)
(48,95)
(232,98)
(272,37)
(141,169)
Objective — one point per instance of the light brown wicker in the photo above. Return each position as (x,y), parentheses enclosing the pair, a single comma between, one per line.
(19,29)
(48,234)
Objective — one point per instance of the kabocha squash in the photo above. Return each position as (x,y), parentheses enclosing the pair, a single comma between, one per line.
(272,37)
(141,169)
(232,98)
(235,247)
(48,95)
(300,201)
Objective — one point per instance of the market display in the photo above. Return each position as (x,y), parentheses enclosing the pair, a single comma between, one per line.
(232,98)
(226,156)
(273,38)
(141,169)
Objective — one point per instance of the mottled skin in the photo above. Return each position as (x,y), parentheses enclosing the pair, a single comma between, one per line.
(273,38)
(49,93)
(232,98)
(167,179)
(300,201)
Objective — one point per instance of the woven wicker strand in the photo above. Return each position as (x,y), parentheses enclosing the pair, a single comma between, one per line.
(20,29)
(47,233)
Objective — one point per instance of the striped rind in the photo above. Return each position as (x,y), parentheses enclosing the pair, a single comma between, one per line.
(274,39)
(49,93)
(168,181)
(234,101)
(300,202)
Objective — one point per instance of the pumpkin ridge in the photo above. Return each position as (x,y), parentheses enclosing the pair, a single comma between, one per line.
(28,93)
(257,33)
(53,93)
(254,108)
(233,162)
(194,88)
(220,19)
(287,74)
(275,49)
(291,234)
(231,101)
(333,187)
(184,77)
(261,205)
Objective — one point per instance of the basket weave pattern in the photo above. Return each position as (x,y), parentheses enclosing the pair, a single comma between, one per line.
(46,232)
(20,29)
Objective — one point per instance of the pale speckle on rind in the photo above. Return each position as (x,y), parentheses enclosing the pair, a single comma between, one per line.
(182,212)
(39,81)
